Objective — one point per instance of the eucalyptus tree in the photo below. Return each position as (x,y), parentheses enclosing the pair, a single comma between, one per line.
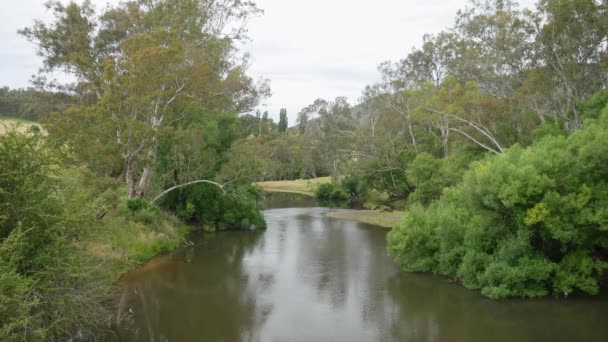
(302,121)
(132,64)
(433,62)
(572,43)
(331,130)
(499,41)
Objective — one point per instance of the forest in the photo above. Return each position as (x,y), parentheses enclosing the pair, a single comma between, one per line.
(492,135)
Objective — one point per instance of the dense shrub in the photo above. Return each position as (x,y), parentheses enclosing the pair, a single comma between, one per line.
(527,223)
(331,192)
(356,187)
(208,206)
(58,258)
(143,211)
(389,179)
(43,270)
(426,176)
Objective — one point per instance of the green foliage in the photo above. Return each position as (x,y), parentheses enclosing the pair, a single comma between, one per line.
(31,104)
(125,60)
(527,223)
(209,207)
(15,306)
(356,187)
(41,266)
(547,129)
(426,176)
(331,192)
(283,121)
(26,183)
(389,179)
(592,108)
(143,211)
(130,241)
(204,150)
(57,260)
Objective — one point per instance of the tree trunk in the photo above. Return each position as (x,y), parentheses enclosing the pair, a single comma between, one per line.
(144,181)
(411,131)
(130,179)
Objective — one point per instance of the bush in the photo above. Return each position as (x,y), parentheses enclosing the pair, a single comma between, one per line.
(526,223)
(356,187)
(43,267)
(143,211)
(207,205)
(58,260)
(331,192)
(426,176)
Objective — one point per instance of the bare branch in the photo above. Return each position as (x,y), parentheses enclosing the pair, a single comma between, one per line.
(221,186)
(475,140)
(483,130)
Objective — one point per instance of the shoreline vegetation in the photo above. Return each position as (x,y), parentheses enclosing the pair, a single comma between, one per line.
(66,236)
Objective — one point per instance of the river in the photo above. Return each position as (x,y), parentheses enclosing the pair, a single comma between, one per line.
(309,277)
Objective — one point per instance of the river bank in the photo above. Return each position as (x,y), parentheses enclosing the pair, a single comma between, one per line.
(385,219)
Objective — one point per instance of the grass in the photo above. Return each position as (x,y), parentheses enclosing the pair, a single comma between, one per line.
(300,186)
(374,217)
(127,238)
(20,126)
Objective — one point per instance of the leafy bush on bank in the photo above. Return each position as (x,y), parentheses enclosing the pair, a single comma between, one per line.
(331,192)
(58,259)
(213,209)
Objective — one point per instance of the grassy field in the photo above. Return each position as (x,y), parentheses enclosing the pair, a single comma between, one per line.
(301,186)
(375,217)
(21,126)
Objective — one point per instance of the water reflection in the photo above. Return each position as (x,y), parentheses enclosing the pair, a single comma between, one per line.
(200,292)
(314,278)
(279,200)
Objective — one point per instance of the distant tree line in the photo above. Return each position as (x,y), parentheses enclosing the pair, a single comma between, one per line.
(31,104)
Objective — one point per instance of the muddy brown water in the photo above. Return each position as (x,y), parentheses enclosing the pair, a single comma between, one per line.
(309,277)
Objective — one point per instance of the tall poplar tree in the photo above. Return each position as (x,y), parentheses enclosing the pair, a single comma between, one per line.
(283,121)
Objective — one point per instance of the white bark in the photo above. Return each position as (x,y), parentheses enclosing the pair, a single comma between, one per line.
(478,127)
(221,186)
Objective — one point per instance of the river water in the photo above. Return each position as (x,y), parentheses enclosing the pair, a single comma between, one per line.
(309,277)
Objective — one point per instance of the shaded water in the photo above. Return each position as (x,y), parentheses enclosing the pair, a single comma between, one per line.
(309,277)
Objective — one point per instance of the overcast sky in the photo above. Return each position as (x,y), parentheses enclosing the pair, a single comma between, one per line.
(307,49)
